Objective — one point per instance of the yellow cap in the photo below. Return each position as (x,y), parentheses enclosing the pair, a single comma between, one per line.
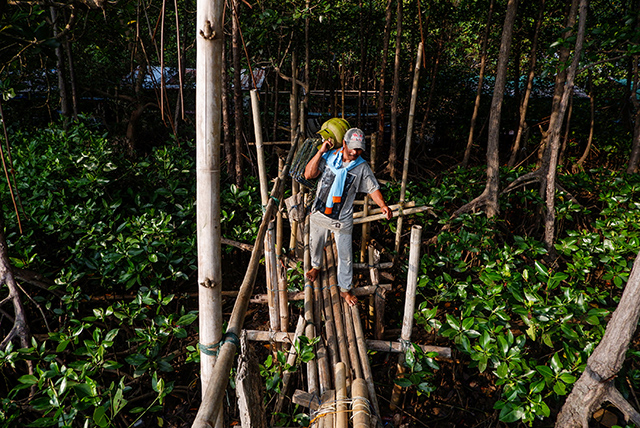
(334,130)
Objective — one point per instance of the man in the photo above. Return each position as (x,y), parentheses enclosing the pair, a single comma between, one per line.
(344,173)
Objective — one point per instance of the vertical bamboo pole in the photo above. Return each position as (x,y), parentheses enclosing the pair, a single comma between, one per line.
(409,305)
(293,115)
(283,296)
(342,418)
(208,138)
(380,294)
(407,148)
(291,359)
(359,405)
(312,368)
(269,244)
(324,374)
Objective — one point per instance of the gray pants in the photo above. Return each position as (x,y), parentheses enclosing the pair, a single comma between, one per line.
(319,228)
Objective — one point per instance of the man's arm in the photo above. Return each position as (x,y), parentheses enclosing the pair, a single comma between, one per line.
(379,200)
(312,170)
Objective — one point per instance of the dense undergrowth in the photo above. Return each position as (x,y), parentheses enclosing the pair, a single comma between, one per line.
(114,334)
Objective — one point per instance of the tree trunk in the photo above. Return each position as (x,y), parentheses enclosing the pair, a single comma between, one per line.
(393,145)
(237,90)
(476,107)
(72,79)
(515,149)
(62,86)
(209,66)
(20,328)
(635,147)
(592,104)
(493,173)
(567,128)
(383,66)
(596,385)
(226,126)
(554,132)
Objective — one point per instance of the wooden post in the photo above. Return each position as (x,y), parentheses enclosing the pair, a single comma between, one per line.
(212,398)
(359,404)
(208,139)
(407,147)
(341,418)
(409,304)
(249,388)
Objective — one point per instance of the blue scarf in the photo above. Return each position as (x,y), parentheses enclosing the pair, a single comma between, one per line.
(334,163)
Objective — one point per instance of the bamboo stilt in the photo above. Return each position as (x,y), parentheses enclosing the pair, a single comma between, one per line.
(360,404)
(291,360)
(379,295)
(407,149)
(409,305)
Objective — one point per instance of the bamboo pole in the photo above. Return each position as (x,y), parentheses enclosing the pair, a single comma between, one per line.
(324,373)
(407,148)
(360,404)
(364,359)
(337,308)
(409,305)
(367,290)
(208,140)
(399,213)
(291,360)
(342,417)
(329,324)
(281,266)
(356,364)
(312,367)
(379,295)
(444,353)
(212,398)
(269,244)
(372,211)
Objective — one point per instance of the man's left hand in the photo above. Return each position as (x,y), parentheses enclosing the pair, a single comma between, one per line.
(387,212)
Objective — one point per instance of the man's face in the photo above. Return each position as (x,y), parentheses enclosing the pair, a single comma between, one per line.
(349,154)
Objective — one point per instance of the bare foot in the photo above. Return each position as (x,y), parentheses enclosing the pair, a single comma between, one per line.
(349,298)
(312,274)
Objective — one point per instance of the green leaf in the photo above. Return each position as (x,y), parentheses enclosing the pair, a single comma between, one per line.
(403,382)
(28,379)
(99,417)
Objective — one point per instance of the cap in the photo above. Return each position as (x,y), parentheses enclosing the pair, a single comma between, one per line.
(334,129)
(355,139)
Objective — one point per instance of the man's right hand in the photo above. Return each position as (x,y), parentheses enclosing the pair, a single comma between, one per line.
(326,146)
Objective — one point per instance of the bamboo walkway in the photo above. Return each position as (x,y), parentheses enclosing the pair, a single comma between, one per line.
(340,389)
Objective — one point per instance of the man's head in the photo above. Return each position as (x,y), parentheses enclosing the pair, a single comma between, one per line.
(353,143)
